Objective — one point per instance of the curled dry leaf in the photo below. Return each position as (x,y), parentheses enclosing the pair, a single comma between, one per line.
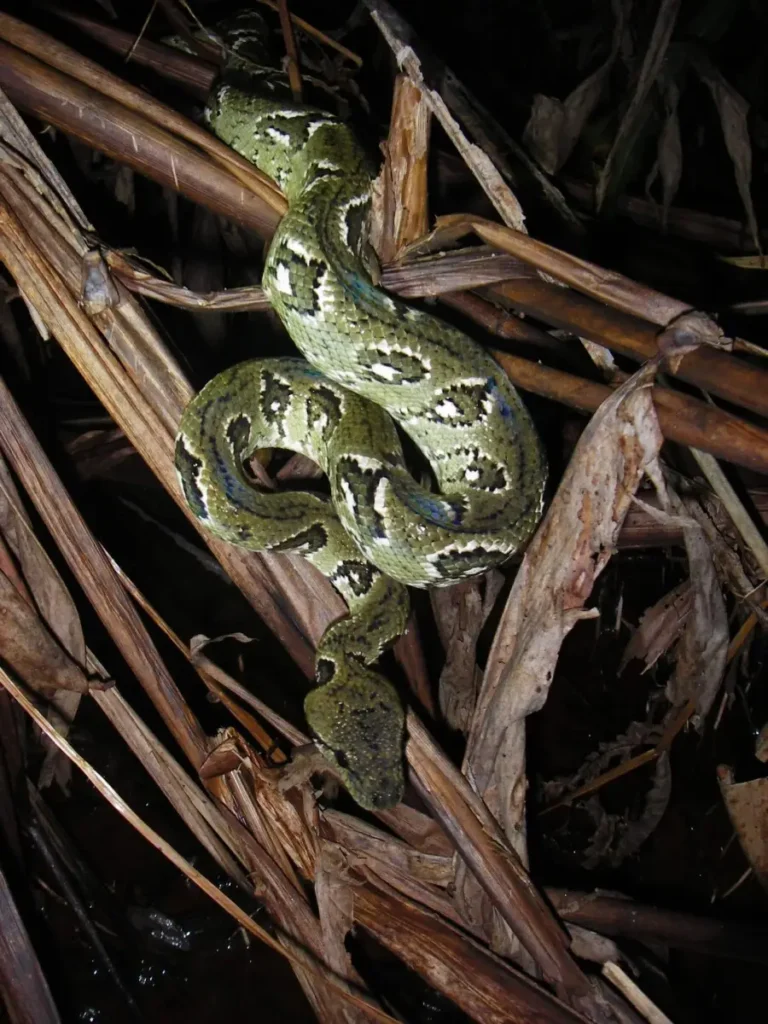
(97,289)
(49,593)
(670,151)
(30,650)
(224,757)
(626,137)
(199,642)
(686,332)
(570,549)
(39,580)
(618,837)
(732,110)
(543,134)
(599,763)
(555,126)
(747,806)
(659,628)
(703,648)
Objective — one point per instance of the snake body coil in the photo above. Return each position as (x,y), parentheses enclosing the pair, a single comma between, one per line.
(371,362)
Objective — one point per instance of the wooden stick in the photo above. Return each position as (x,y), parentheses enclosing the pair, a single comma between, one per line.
(721,374)
(131,138)
(682,418)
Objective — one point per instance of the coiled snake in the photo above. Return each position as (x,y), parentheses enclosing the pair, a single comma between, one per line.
(371,362)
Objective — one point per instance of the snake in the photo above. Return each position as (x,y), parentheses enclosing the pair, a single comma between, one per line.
(371,369)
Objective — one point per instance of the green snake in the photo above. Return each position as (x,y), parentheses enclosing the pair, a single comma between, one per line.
(371,362)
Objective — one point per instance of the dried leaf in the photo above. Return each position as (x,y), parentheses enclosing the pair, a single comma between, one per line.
(652,63)
(555,127)
(618,836)
(543,133)
(569,550)
(459,614)
(747,806)
(43,585)
(224,757)
(604,835)
(50,595)
(732,109)
(669,151)
(685,333)
(659,628)
(746,262)
(635,832)
(28,647)
(703,648)
(200,641)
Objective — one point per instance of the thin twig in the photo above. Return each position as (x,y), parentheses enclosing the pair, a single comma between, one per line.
(292,54)
(635,995)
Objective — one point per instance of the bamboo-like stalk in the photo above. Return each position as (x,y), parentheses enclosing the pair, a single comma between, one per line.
(736,381)
(115,129)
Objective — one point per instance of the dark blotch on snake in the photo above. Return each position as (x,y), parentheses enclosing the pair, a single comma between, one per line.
(189,469)
(363,483)
(469,400)
(324,403)
(357,575)
(275,397)
(306,541)
(449,561)
(238,434)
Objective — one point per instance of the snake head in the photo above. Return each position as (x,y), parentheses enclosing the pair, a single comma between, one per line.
(358,723)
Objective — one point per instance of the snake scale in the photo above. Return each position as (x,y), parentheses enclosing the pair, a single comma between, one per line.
(370,362)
